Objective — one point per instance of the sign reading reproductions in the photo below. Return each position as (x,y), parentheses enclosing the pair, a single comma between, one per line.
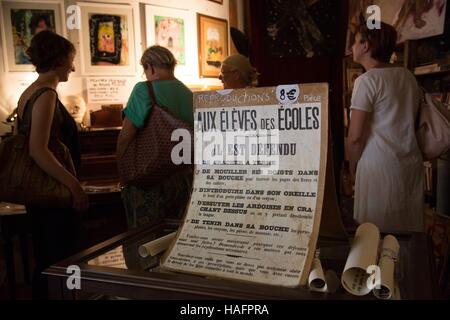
(254,213)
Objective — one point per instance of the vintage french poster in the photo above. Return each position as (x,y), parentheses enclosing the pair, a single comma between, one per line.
(260,166)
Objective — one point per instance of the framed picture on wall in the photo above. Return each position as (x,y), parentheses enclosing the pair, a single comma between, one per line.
(21,21)
(212,44)
(106,39)
(169,28)
(1,48)
(352,74)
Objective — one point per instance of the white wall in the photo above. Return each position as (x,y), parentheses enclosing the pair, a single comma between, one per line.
(13,83)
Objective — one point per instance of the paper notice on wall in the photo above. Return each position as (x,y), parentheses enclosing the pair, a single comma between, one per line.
(255,210)
(108,90)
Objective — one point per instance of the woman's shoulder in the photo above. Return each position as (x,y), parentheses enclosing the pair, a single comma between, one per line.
(34,93)
(171,85)
(141,85)
(392,73)
(140,90)
(388,71)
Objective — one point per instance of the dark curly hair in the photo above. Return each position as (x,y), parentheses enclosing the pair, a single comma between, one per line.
(48,50)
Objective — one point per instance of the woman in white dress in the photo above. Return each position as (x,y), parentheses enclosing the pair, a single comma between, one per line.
(384,156)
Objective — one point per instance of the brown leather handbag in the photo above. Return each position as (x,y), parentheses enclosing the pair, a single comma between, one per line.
(22,181)
(147,160)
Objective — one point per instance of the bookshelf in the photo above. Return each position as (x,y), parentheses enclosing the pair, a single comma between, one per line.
(429,60)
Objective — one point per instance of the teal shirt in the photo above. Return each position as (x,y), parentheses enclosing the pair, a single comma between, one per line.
(170,94)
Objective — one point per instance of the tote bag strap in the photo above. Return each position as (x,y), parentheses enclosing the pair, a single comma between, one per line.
(154,103)
(151,93)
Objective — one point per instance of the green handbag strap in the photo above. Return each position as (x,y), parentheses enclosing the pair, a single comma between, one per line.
(24,124)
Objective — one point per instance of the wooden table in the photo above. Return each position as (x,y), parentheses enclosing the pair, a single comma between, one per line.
(414,273)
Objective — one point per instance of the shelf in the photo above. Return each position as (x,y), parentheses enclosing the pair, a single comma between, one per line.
(435,73)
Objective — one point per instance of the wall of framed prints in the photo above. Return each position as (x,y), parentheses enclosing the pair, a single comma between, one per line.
(111,37)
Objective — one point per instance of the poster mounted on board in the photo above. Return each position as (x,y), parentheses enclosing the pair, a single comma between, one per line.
(255,210)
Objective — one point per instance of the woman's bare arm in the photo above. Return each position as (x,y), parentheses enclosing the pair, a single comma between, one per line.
(357,136)
(126,135)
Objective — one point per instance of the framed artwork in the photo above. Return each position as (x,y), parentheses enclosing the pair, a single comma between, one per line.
(212,44)
(412,19)
(168,27)
(352,74)
(106,39)
(217,1)
(1,48)
(350,71)
(22,20)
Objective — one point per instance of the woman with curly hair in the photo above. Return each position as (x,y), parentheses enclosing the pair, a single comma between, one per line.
(55,231)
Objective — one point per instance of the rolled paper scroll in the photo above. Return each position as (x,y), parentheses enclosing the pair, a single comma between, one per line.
(316,279)
(320,282)
(363,254)
(156,246)
(388,257)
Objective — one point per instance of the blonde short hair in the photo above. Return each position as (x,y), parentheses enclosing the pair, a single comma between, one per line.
(158,56)
(242,64)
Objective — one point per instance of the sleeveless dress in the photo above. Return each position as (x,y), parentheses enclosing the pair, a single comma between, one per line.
(55,231)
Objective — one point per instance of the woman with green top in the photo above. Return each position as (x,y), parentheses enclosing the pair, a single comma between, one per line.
(171,196)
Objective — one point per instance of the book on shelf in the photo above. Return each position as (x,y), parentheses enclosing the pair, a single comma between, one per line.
(430,68)
(428,179)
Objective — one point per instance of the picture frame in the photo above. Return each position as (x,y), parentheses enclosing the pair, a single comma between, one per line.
(350,71)
(21,20)
(217,1)
(351,75)
(212,44)
(106,39)
(2,62)
(168,27)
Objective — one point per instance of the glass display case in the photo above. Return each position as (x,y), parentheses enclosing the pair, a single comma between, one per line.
(114,270)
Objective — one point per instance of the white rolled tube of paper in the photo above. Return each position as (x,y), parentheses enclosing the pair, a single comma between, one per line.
(388,256)
(363,253)
(316,279)
(156,246)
